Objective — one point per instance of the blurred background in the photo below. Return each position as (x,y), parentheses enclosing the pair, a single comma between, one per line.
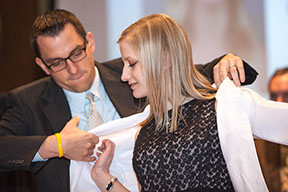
(255,30)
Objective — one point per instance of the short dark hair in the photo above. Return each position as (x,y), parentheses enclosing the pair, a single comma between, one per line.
(278,72)
(51,23)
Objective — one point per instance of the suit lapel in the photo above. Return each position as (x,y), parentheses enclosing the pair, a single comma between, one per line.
(118,92)
(55,106)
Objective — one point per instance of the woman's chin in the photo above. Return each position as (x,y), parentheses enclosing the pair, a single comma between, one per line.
(138,95)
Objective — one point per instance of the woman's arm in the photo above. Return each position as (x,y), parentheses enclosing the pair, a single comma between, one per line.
(100,172)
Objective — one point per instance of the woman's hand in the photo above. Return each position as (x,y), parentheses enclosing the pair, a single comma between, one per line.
(105,157)
(100,171)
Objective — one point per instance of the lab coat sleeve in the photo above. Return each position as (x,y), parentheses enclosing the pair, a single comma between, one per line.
(268,119)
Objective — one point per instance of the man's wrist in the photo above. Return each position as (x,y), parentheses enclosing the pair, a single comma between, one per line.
(49,148)
(59,144)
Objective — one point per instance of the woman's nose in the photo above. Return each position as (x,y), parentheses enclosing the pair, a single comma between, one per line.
(125,74)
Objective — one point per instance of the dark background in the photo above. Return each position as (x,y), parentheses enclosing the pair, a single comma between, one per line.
(17,65)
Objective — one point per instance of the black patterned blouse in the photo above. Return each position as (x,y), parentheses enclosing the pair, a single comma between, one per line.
(189,159)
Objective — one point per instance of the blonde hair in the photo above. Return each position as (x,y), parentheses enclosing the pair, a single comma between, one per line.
(166,57)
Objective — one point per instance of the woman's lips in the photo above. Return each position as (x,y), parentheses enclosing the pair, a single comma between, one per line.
(132,85)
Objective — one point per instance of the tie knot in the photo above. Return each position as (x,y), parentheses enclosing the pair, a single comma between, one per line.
(90,97)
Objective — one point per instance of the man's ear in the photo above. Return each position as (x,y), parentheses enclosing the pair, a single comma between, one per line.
(90,40)
(39,62)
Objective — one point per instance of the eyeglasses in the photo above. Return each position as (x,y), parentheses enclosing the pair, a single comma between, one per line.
(60,64)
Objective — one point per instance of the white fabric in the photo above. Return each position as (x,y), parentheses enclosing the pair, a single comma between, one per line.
(122,133)
(240,112)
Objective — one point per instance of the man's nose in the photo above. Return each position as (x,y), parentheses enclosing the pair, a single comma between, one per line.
(71,67)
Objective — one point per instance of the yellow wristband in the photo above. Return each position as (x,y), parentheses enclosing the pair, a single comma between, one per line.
(59,142)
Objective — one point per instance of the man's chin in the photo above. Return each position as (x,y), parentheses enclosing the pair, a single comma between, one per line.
(80,88)
(76,87)
(80,85)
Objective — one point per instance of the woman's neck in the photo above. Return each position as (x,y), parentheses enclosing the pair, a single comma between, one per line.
(183,99)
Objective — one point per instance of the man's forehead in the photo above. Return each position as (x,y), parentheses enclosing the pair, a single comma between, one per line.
(280,82)
(60,45)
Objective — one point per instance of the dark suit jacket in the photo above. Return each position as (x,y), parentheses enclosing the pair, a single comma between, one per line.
(40,109)
(3,97)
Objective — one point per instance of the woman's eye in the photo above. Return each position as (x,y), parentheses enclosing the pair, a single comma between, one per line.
(132,65)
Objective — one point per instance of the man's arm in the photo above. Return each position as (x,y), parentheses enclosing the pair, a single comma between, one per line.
(3,97)
(18,144)
(228,65)
(21,138)
(76,144)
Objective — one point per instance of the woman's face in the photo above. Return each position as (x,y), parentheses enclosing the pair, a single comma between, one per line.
(132,70)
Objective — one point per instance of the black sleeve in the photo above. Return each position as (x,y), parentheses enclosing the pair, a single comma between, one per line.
(17,145)
(207,71)
(3,97)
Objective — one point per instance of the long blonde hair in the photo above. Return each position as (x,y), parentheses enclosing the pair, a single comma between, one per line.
(166,56)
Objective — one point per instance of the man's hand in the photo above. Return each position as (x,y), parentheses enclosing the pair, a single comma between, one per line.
(231,66)
(78,144)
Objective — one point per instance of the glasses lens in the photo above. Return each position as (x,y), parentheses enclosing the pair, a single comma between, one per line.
(57,66)
(78,55)
(61,64)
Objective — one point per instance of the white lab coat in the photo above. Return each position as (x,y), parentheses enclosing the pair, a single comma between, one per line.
(241,114)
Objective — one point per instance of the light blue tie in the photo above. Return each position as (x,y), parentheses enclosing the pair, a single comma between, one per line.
(94,118)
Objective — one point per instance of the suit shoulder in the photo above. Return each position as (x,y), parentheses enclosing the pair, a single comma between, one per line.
(112,65)
(32,88)
(117,61)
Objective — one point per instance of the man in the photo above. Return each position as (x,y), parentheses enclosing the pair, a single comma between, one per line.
(273,156)
(39,110)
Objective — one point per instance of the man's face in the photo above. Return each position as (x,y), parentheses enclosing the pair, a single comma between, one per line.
(76,77)
(279,88)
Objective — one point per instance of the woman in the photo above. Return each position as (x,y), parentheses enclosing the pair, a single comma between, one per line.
(184,144)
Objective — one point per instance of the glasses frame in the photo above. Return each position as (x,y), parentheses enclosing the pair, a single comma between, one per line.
(65,59)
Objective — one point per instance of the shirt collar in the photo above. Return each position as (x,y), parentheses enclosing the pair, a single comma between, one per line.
(95,86)
(78,99)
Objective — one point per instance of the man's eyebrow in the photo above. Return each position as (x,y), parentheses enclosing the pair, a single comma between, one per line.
(60,58)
